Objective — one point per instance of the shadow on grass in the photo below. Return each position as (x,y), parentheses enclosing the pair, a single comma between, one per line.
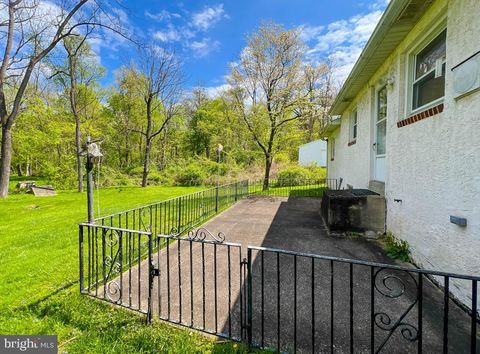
(85,325)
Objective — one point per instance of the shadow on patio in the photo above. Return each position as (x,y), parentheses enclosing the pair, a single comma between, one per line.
(326,305)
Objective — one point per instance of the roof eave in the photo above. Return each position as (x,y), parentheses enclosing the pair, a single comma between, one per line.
(390,25)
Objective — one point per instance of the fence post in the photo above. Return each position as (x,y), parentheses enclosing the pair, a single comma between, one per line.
(249,297)
(151,273)
(80,254)
(216,199)
(236,191)
(179,213)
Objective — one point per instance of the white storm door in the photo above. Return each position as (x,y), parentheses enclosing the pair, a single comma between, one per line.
(379,146)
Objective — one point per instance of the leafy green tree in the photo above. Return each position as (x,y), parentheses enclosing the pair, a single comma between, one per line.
(267,86)
(30,35)
(78,78)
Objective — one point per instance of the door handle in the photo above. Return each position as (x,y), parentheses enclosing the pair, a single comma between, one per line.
(374,146)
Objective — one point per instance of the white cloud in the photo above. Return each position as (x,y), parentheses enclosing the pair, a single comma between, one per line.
(379,5)
(162,15)
(307,33)
(203,47)
(215,91)
(121,15)
(169,35)
(342,41)
(186,29)
(206,18)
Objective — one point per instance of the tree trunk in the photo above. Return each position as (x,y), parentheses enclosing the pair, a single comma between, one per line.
(268,156)
(146,163)
(73,106)
(78,145)
(268,166)
(5,161)
(148,142)
(19,170)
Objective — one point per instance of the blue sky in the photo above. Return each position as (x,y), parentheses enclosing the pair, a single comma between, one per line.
(207,35)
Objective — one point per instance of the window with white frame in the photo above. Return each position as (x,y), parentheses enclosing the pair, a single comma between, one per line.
(428,66)
(353,125)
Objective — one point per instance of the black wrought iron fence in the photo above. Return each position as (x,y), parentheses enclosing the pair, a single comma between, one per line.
(180,213)
(184,212)
(292,187)
(112,266)
(278,299)
(199,280)
(299,302)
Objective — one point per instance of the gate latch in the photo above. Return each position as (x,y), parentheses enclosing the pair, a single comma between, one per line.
(154,271)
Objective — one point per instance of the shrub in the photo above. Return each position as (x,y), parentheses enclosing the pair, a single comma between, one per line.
(62,176)
(282,158)
(136,171)
(192,175)
(161,179)
(297,175)
(397,249)
(111,177)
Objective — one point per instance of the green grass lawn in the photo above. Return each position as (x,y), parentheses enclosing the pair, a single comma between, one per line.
(39,278)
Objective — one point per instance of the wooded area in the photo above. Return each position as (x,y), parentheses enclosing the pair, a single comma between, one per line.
(153,127)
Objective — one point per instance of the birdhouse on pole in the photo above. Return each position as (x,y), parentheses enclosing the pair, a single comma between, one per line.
(93,154)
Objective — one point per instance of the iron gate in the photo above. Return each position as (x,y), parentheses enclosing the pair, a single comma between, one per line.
(198,276)
(112,265)
(289,301)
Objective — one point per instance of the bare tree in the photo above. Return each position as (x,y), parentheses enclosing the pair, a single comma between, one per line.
(159,83)
(268,86)
(321,91)
(31,32)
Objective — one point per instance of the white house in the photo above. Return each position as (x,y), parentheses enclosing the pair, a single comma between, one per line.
(410,128)
(313,153)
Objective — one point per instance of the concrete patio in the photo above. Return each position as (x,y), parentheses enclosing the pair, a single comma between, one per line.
(201,286)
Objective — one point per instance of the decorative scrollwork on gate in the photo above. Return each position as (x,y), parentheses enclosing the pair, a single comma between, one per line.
(391,285)
(115,266)
(203,234)
(174,232)
(113,291)
(408,331)
(395,287)
(112,238)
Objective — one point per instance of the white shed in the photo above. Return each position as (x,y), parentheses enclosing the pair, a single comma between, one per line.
(313,153)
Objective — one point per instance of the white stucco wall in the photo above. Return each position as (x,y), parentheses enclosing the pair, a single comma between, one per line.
(313,153)
(433,165)
(351,162)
